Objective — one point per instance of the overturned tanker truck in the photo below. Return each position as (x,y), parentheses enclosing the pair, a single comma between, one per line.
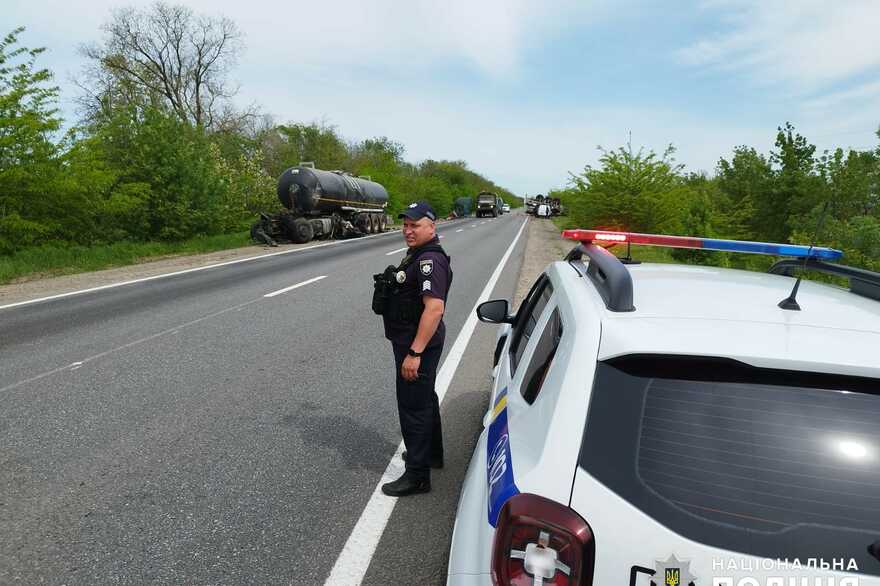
(323,204)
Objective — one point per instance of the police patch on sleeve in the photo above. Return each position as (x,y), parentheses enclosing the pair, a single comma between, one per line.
(426,286)
(426,267)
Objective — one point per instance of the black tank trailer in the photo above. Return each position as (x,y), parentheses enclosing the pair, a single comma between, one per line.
(323,204)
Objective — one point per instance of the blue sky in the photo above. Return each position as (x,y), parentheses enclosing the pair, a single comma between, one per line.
(525,91)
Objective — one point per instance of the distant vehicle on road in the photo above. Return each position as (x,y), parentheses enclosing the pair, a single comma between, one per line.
(487,204)
(464,206)
(531,203)
(324,204)
(542,210)
(505,208)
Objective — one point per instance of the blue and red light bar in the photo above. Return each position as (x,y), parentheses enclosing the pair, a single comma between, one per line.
(795,250)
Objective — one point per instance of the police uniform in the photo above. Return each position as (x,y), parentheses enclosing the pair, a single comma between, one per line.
(424,271)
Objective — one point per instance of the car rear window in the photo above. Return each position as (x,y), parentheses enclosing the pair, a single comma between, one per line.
(770,463)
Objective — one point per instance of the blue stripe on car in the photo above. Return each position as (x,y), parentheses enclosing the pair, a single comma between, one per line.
(499,466)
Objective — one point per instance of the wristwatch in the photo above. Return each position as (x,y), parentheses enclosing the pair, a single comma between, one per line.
(412,352)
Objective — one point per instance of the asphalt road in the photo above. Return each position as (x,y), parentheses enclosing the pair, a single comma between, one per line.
(191,430)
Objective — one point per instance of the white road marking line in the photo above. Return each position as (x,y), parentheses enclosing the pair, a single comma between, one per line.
(353,561)
(483,222)
(193,270)
(173,330)
(460,230)
(397,251)
(292,287)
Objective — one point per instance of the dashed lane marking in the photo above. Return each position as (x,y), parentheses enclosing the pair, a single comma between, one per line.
(399,250)
(292,287)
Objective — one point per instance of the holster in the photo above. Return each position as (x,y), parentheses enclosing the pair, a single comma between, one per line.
(383,288)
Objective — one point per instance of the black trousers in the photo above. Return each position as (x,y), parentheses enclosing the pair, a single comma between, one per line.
(419,411)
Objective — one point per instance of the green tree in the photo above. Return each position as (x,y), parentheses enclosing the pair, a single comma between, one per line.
(852,181)
(287,145)
(165,173)
(797,188)
(743,184)
(28,156)
(637,191)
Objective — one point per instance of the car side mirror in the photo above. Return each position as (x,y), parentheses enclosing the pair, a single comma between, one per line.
(494,312)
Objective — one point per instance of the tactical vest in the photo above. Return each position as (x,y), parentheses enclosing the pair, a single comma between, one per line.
(397,302)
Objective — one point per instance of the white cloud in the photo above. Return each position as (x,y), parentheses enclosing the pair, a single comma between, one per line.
(523,148)
(490,35)
(869,91)
(809,43)
(378,69)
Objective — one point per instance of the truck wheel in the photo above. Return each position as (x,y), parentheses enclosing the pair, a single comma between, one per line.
(363,223)
(382,225)
(287,227)
(374,224)
(302,231)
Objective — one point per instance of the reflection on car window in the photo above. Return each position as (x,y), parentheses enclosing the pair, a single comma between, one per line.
(531,311)
(541,359)
(776,464)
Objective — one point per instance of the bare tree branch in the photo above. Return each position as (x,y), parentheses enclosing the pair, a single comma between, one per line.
(163,55)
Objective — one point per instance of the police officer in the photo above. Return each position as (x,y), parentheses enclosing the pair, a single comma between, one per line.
(414,325)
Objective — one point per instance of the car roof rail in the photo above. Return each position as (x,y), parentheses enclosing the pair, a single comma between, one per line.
(608,274)
(861,281)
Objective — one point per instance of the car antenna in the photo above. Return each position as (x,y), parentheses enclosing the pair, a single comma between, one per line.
(628,259)
(790,303)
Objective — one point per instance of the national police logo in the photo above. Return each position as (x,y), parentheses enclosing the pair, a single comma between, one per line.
(673,572)
(426,267)
(400,276)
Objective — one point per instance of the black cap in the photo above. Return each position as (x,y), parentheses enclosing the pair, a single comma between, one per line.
(417,211)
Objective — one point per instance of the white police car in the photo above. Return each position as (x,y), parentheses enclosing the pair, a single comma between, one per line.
(677,425)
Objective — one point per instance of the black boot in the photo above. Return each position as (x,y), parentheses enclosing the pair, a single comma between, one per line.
(407,484)
(436,463)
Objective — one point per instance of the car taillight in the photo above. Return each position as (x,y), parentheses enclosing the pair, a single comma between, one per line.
(541,542)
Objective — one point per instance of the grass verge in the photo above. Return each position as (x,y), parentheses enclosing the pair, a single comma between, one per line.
(52,260)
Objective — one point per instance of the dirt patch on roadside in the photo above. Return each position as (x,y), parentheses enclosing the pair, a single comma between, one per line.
(544,244)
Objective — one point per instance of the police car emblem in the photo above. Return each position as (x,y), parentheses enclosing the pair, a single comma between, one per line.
(673,572)
(426,266)
(400,276)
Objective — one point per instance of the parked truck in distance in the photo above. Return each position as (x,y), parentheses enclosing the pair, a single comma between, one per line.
(488,204)
(323,204)
(463,207)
